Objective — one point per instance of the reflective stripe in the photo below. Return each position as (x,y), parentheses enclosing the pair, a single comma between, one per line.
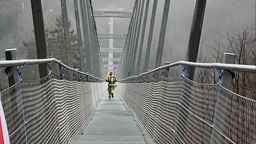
(111,84)
(111,79)
(107,79)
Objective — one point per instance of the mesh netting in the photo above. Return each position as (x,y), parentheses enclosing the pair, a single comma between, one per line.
(178,110)
(50,110)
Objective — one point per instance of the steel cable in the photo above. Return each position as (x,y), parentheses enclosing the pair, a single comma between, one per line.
(177,110)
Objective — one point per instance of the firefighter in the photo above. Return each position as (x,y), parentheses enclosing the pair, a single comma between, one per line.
(111,79)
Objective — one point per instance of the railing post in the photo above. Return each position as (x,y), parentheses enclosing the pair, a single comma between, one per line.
(142,36)
(133,49)
(222,101)
(162,34)
(41,47)
(137,34)
(154,76)
(126,52)
(79,78)
(148,76)
(86,37)
(150,35)
(59,72)
(166,71)
(157,75)
(13,76)
(195,35)
(93,47)
(66,34)
(79,36)
(87,78)
(75,75)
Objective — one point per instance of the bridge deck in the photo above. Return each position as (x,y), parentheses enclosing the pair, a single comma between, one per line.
(111,123)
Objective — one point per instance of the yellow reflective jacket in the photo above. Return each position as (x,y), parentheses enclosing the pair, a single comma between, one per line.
(111,79)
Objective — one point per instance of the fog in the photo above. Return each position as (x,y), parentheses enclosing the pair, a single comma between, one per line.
(221,16)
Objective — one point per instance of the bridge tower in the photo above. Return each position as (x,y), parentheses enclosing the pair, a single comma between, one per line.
(111,42)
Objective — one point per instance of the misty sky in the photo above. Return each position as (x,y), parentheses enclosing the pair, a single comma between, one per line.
(221,16)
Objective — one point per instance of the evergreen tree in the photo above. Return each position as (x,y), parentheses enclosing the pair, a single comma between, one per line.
(31,46)
(56,43)
(56,47)
(30,72)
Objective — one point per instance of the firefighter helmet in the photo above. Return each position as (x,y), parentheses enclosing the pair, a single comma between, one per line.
(110,72)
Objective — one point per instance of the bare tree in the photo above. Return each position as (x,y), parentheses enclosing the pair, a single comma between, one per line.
(217,50)
(216,54)
(203,75)
(242,43)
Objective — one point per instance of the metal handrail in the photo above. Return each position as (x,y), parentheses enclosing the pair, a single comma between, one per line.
(234,67)
(23,62)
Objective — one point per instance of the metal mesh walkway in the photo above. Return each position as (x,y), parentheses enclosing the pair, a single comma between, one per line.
(111,123)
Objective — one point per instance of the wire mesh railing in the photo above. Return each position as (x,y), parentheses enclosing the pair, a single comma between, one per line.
(178,110)
(52,109)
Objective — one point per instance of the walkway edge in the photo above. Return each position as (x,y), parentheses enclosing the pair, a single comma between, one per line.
(86,123)
(143,133)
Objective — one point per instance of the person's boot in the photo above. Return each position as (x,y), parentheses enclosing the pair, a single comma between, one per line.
(109,97)
(112,95)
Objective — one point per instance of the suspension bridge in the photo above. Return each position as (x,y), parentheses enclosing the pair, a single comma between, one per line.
(71,105)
